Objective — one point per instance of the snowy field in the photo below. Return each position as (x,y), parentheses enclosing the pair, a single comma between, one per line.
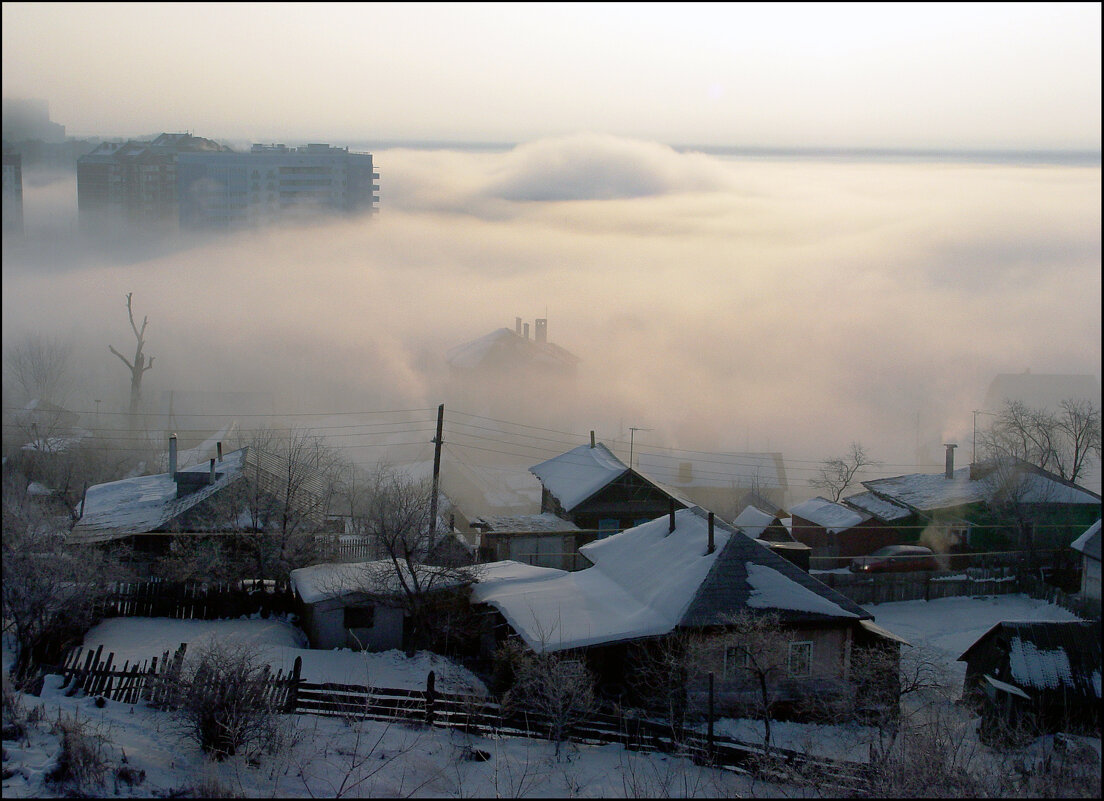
(331,758)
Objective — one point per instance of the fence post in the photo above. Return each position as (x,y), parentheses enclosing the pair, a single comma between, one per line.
(709,738)
(430,697)
(293,687)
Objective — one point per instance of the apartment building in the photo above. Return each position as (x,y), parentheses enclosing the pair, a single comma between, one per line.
(273,182)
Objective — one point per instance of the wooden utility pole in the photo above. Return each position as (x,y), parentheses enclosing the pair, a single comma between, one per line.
(436,475)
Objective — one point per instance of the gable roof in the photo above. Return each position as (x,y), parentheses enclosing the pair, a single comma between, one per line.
(504,343)
(146,503)
(574,476)
(579,474)
(753,521)
(1051,656)
(880,508)
(832,517)
(1089,542)
(647,580)
(924,492)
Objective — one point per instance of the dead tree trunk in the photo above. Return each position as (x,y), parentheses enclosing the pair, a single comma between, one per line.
(140,364)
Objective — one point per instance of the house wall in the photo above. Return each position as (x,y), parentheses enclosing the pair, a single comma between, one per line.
(1090,577)
(859,540)
(324,624)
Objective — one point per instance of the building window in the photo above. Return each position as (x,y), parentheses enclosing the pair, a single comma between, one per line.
(736,658)
(801,658)
(607,526)
(360,617)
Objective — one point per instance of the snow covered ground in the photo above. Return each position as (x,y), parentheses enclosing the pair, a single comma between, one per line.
(330,758)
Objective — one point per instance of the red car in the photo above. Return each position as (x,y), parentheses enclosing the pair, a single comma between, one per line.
(896,558)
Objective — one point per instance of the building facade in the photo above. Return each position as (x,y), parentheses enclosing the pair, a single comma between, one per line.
(135,182)
(13,193)
(270,182)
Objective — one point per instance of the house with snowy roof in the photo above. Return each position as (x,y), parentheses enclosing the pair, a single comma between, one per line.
(593,489)
(837,530)
(991,505)
(149,512)
(1039,675)
(534,539)
(1088,545)
(685,573)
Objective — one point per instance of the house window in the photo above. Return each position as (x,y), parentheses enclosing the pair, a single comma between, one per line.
(360,617)
(607,526)
(736,658)
(801,658)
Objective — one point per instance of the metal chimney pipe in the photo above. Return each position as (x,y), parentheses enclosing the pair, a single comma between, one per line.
(172,455)
(949,474)
(212,469)
(712,547)
(592,439)
(671,516)
(218,445)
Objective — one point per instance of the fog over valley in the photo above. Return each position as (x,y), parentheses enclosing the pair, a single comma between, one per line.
(724,304)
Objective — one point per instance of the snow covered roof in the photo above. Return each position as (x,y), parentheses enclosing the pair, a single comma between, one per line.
(574,476)
(833,517)
(545,521)
(146,503)
(929,491)
(753,521)
(1050,656)
(333,579)
(647,580)
(1089,542)
(504,342)
(871,504)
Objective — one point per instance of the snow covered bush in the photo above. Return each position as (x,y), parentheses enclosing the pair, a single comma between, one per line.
(225,701)
(83,762)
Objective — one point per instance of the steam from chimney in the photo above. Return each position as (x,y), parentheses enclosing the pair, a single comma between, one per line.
(949,474)
(172,455)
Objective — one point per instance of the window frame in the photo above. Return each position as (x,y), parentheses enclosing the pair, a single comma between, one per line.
(795,647)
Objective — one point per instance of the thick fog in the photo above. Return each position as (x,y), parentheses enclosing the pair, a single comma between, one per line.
(725,304)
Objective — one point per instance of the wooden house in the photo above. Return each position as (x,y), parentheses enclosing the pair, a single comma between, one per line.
(687,573)
(593,489)
(1033,676)
(839,531)
(994,505)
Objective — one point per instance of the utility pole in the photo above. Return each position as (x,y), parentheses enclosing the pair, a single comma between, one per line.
(436,475)
(632,436)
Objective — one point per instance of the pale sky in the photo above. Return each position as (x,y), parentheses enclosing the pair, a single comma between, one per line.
(786,75)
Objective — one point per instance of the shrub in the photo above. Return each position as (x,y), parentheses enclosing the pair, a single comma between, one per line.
(225,702)
(83,762)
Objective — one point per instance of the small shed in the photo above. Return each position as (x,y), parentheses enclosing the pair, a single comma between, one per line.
(356,605)
(1088,545)
(1035,676)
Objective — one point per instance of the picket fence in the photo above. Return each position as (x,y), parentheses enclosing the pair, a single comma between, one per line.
(194,600)
(156,683)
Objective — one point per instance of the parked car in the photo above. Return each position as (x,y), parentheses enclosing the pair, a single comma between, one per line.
(896,558)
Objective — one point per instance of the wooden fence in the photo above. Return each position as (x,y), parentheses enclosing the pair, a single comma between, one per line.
(889,587)
(156,683)
(194,600)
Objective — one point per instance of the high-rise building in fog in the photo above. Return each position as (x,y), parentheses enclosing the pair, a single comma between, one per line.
(29,120)
(135,181)
(13,193)
(272,181)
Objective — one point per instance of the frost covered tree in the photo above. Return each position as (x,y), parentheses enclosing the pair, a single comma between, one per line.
(139,365)
(1066,441)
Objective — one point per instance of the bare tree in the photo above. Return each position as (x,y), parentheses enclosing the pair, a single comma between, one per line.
(838,473)
(1066,442)
(756,653)
(552,684)
(282,500)
(49,589)
(40,367)
(392,511)
(140,364)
